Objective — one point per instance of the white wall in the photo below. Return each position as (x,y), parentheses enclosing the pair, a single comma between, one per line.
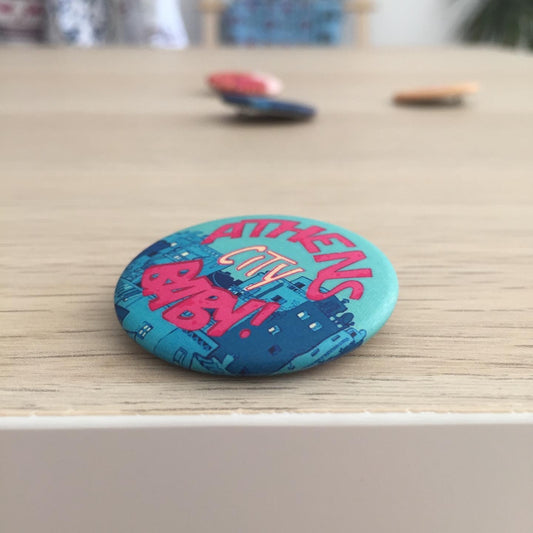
(189,9)
(417,22)
(395,22)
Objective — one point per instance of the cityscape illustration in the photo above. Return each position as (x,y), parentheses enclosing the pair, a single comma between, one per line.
(301,333)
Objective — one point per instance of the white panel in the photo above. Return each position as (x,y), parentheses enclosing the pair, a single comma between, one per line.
(359,473)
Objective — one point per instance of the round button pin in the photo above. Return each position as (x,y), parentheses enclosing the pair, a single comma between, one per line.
(440,95)
(261,106)
(256,295)
(245,83)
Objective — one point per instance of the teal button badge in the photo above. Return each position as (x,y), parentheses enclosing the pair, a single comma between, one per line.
(256,295)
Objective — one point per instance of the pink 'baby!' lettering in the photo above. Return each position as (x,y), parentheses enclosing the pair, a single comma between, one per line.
(197,300)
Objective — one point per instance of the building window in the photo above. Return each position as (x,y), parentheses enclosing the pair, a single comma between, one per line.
(303,315)
(179,355)
(274,349)
(144,330)
(315,326)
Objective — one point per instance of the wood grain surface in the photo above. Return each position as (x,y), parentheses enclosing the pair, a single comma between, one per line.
(103,152)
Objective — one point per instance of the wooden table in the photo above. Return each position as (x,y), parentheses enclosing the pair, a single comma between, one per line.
(103,152)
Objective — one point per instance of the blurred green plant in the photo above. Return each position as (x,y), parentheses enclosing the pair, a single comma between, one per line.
(506,22)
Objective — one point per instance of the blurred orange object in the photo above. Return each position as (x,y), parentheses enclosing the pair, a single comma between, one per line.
(436,95)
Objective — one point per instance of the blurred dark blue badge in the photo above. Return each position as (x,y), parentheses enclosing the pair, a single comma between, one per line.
(265,107)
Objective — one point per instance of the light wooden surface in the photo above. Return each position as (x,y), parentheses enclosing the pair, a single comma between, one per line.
(103,152)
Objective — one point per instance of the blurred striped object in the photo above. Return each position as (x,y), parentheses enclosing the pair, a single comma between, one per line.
(22,20)
(78,22)
(87,23)
(283,22)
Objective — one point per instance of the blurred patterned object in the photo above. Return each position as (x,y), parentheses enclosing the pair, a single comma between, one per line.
(283,22)
(22,20)
(78,22)
(155,23)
